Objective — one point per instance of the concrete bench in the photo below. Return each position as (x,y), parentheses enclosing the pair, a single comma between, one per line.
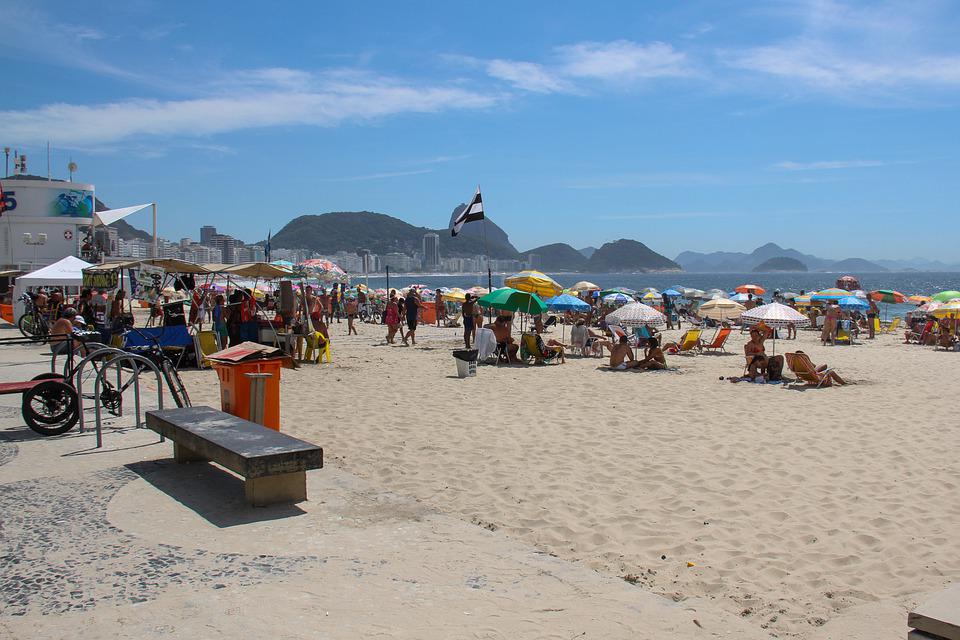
(938,618)
(273,464)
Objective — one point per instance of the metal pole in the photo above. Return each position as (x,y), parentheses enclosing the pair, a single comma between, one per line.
(155,230)
(258,395)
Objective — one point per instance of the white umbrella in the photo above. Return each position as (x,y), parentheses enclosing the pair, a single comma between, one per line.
(713,294)
(693,293)
(636,314)
(721,309)
(774,315)
(651,290)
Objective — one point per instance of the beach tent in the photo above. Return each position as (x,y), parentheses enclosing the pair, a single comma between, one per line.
(67,272)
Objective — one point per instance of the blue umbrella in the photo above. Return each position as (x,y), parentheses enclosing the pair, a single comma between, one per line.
(853,303)
(617,298)
(673,293)
(566,302)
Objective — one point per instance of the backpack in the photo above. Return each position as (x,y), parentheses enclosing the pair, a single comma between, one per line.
(775,369)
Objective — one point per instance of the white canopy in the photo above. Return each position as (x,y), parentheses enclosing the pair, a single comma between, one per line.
(68,272)
(112,215)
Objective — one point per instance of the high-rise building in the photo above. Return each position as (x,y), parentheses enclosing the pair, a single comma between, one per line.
(206,234)
(534,260)
(431,251)
(227,245)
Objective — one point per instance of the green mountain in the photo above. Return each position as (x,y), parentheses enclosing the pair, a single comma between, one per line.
(558,257)
(780,263)
(348,231)
(628,255)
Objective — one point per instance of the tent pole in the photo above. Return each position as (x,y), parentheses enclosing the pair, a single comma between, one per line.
(154,205)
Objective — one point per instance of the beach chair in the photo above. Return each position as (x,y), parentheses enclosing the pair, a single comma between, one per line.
(844,333)
(805,370)
(314,351)
(719,340)
(877,329)
(530,349)
(689,341)
(205,343)
(893,326)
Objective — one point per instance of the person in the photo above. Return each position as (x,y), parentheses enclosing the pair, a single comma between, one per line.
(324,301)
(668,310)
(219,318)
(402,315)
(439,309)
(550,346)
(466,311)
(234,318)
(116,314)
(505,342)
(84,307)
(653,357)
(392,319)
(412,310)
(829,331)
(872,314)
(196,303)
(621,355)
(336,299)
(756,354)
(351,308)
(477,318)
(62,328)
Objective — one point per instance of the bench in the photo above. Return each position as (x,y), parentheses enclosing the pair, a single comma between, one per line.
(273,464)
(938,618)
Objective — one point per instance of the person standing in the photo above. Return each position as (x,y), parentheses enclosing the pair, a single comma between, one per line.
(220,319)
(872,313)
(438,306)
(391,318)
(467,313)
(412,308)
(351,308)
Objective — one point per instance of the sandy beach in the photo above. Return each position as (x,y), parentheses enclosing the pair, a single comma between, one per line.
(797,507)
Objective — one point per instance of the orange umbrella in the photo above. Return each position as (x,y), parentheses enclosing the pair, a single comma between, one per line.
(755,289)
(919,299)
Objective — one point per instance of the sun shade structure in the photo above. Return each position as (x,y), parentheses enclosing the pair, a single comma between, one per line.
(853,303)
(257,270)
(112,215)
(948,310)
(67,272)
(755,289)
(721,309)
(636,314)
(829,294)
(887,295)
(566,302)
(534,282)
(584,285)
(509,299)
(946,296)
(617,298)
(775,315)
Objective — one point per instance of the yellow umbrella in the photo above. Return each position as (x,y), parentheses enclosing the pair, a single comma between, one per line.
(949,310)
(534,282)
(455,295)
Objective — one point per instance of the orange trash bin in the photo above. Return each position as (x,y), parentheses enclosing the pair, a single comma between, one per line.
(235,389)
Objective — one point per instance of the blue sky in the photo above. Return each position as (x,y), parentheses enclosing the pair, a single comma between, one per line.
(824,126)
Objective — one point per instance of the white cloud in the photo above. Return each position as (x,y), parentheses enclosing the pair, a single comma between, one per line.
(378,176)
(330,102)
(623,60)
(789,165)
(528,76)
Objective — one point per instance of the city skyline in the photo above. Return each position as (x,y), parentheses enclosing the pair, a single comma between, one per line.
(686,126)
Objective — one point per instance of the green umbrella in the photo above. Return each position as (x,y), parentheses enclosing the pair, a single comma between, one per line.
(624,290)
(888,295)
(946,296)
(508,299)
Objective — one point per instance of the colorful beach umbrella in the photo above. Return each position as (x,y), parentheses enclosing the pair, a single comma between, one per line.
(948,310)
(566,302)
(919,299)
(534,282)
(623,290)
(853,303)
(887,295)
(829,294)
(636,314)
(509,299)
(693,294)
(755,289)
(946,296)
(617,298)
(673,293)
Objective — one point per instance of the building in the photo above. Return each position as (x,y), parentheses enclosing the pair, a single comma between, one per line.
(227,245)
(431,252)
(534,260)
(399,262)
(206,234)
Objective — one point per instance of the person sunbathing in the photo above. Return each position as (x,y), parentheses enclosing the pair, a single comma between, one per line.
(830,377)
(653,357)
(756,354)
(621,355)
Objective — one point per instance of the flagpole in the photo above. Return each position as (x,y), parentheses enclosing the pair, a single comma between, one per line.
(486,253)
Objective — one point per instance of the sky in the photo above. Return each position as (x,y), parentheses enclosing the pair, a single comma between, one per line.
(828,127)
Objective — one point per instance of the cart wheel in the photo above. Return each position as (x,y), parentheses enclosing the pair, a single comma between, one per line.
(50,408)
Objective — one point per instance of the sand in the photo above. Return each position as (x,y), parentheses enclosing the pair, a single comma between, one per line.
(800,510)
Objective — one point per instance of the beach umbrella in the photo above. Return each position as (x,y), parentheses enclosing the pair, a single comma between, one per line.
(673,292)
(802,301)
(721,309)
(583,285)
(534,282)
(714,293)
(283,263)
(829,294)
(650,290)
(755,289)
(617,298)
(927,307)
(946,296)
(789,295)
(566,302)
(740,297)
(853,303)
(624,290)
(948,310)
(694,293)
(887,295)
(919,299)
(477,291)
(509,299)
(774,315)
(651,296)
(636,314)
(860,293)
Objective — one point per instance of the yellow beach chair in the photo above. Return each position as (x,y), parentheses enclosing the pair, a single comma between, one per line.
(205,343)
(314,351)
(844,333)
(877,329)
(690,341)
(893,326)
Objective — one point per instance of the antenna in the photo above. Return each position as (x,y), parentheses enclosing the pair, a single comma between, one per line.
(48,161)
(71,167)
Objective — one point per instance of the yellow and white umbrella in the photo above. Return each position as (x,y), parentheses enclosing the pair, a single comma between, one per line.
(721,309)
(584,285)
(534,282)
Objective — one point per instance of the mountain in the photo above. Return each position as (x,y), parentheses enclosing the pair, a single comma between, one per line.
(780,263)
(587,251)
(856,265)
(558,257)
(628,255)
(350,230)
(738,262)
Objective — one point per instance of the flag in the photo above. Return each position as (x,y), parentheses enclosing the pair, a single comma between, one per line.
(472,213)
(266,248)
(3,200)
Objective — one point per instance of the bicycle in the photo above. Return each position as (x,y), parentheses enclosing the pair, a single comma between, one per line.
(33,323)
(167,368)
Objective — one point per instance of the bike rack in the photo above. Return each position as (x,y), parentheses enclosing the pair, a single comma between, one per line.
(134,360)
(78,371)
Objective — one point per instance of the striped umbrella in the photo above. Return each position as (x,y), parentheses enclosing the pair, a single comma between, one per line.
(721,309)
(887,295)
(617,298)
(534,282)
(919,299)
(829,294)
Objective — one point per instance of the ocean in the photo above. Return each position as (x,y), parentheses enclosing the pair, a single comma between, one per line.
(908,283)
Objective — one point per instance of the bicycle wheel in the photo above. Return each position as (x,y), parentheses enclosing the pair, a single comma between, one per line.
(27,325)
(50,408)
(175,384)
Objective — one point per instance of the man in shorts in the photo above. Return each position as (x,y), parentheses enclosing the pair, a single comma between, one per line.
(412,309)
(466,311)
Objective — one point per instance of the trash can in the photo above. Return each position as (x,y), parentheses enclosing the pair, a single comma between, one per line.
(466,360)
(235,388)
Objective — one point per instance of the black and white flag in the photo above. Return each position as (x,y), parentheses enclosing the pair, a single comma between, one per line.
(473,212)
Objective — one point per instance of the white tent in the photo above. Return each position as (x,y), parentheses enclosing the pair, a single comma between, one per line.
(68,272)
